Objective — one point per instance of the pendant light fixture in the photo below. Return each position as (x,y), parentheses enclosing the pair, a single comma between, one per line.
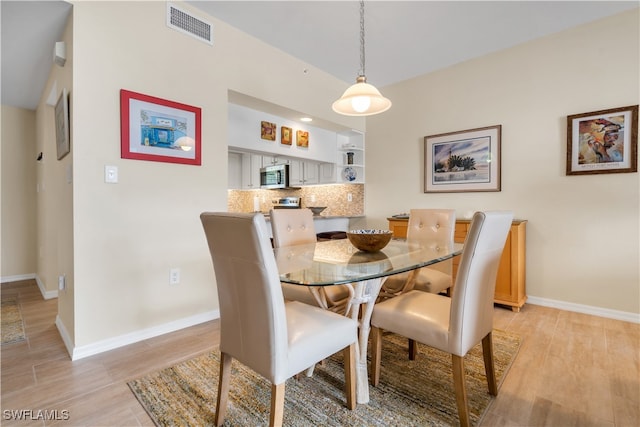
(361,99)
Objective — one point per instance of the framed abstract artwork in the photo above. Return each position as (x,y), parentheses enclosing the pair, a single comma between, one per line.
(604,141)
(302,138)
(158,130)
(463,161)
(268,131)
(285,135)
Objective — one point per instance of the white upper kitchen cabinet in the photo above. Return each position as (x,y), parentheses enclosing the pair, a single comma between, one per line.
(302,172)
(251,164)
(234,171)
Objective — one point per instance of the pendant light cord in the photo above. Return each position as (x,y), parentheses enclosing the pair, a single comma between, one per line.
(361,98)
(362,38)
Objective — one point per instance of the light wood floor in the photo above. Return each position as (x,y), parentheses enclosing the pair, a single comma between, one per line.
(572,369)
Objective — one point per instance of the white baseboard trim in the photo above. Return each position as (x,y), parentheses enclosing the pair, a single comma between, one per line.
(133,337)
(45,294)
(17,278)
(586,309)
(64,334)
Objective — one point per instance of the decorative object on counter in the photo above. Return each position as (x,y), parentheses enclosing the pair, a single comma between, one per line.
(285,135)
(369,240)
(604,141)
(361,99)
(268,131)
(316,209)
(464,161)
(62,125)
(158,130)
(349,174)
(302,138)
(349,157)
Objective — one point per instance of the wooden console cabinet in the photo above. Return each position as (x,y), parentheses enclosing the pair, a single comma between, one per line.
(510,282)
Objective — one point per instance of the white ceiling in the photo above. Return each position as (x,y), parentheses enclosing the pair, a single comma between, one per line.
(29,32)
(403,39)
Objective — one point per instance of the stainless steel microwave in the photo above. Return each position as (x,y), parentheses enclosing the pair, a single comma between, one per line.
(276,176)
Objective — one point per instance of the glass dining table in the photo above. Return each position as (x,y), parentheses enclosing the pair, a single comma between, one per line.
(336,262)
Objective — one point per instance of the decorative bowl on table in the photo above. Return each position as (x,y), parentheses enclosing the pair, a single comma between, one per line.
(369,240)
(316,209)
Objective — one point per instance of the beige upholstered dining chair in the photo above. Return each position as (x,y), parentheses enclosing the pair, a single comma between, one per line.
(437,226)
(456,324)
(277,339)
(295,227)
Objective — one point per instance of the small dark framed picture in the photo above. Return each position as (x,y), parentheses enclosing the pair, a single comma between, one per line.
(302,138)
(63,145)
(604,141)
(285,135)
(268,131)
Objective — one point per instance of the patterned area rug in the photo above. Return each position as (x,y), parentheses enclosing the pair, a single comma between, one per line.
(418,393)
(12,325)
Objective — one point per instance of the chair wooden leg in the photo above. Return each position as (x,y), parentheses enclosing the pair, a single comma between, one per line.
(489,367)
(277,405)
(376,354)
(461,391)
(223,388)
(413,349)
(349,356)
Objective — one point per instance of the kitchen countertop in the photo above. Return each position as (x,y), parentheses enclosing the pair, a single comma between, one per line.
(266,215)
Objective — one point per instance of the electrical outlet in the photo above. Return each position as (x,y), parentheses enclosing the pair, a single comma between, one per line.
(349,197)
(62,283)
(174,276)
(313,198)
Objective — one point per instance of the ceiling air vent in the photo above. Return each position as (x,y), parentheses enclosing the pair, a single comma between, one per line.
(181,20)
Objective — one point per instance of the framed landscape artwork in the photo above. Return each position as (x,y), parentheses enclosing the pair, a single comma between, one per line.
(463,161)
(158,130)
(603,141)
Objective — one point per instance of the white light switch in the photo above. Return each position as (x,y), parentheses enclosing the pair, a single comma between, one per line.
(111,174)
(174,276)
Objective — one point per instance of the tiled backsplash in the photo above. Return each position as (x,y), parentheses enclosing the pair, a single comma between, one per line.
(333,196)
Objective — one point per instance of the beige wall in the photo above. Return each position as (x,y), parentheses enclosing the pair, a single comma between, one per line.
(117,242)
(582,234)
(127,236)
(18,193)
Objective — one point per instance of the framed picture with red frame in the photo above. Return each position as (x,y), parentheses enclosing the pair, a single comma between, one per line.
(159,130)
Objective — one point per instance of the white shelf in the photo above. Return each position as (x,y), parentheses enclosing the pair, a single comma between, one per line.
(351,142)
